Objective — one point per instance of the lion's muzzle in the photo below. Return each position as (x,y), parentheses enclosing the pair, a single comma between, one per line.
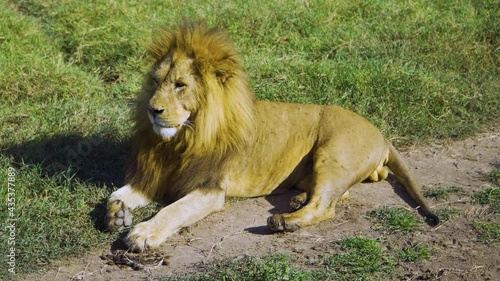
(163,128)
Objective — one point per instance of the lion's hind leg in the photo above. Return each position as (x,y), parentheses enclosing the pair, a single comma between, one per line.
(334,171)
(329,188)
(313,212)
(120,206)
(299,201)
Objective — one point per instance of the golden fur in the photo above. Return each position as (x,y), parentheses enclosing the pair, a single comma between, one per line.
(222,123)
(200,136)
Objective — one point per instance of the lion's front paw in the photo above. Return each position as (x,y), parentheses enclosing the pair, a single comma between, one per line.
(144,236)
(119,215)
(278,223)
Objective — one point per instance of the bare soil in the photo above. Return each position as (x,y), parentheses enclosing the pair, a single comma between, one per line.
(457,252)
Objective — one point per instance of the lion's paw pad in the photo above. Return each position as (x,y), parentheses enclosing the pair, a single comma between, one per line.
(119,215)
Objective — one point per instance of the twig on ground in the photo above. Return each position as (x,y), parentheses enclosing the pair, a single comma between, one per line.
(82,274)
(220,243)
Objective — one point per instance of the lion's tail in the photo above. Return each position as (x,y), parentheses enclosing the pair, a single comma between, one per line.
(398,167)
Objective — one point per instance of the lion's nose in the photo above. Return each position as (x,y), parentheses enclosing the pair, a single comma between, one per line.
(155,111)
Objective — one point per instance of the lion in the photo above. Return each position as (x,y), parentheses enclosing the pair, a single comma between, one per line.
(200,136)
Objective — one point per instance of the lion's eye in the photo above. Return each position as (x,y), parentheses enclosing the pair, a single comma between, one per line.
(179,85)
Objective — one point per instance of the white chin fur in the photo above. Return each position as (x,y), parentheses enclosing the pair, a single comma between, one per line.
(164,132)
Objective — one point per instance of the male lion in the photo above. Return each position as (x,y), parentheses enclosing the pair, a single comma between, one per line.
(200,136)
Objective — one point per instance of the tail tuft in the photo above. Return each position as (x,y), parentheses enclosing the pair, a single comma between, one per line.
(432,219)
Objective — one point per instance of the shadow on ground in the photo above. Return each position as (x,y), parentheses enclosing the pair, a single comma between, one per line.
(97,160)
(93,159)
(401,191)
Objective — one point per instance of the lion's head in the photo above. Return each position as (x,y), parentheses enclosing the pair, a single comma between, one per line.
(195,106)
(196,90)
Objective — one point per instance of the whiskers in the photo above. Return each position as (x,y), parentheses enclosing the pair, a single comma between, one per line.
(189,124)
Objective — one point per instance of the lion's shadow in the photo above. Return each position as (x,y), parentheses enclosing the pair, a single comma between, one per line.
(401,191)
(281,204)
(95,159)
(99,160)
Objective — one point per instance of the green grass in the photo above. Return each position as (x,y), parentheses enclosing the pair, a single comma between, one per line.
(494,177)
(54,216)
(361,259)
(445,214)
(442,193)
(488,232)
(414,252)
(269,268)
(488,225)
(393,219)
(71,69)
(357,258)
(489,196)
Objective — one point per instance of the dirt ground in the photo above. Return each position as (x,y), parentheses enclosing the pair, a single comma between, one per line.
(240,230)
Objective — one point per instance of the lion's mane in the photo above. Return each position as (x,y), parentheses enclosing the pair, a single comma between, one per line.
(220,126)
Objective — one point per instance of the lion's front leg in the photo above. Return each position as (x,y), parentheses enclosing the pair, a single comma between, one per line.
(169,220)
(120,206)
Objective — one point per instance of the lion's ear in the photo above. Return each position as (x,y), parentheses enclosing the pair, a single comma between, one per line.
(162,44)
(222,76)
(224,70)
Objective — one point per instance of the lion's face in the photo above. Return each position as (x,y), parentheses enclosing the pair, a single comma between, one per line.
(173,100)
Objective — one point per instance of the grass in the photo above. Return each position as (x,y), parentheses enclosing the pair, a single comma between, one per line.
(393,219)
(71,69)
(446,213)
(270,268)
(414,252)
(54,216)
(490,197)
(442,193)
(488,225)
(488,232)
(361,259)
(358,258)
(494,177)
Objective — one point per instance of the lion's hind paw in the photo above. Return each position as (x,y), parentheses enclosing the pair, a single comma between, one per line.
(298,201)
(119,215)
(277,223)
